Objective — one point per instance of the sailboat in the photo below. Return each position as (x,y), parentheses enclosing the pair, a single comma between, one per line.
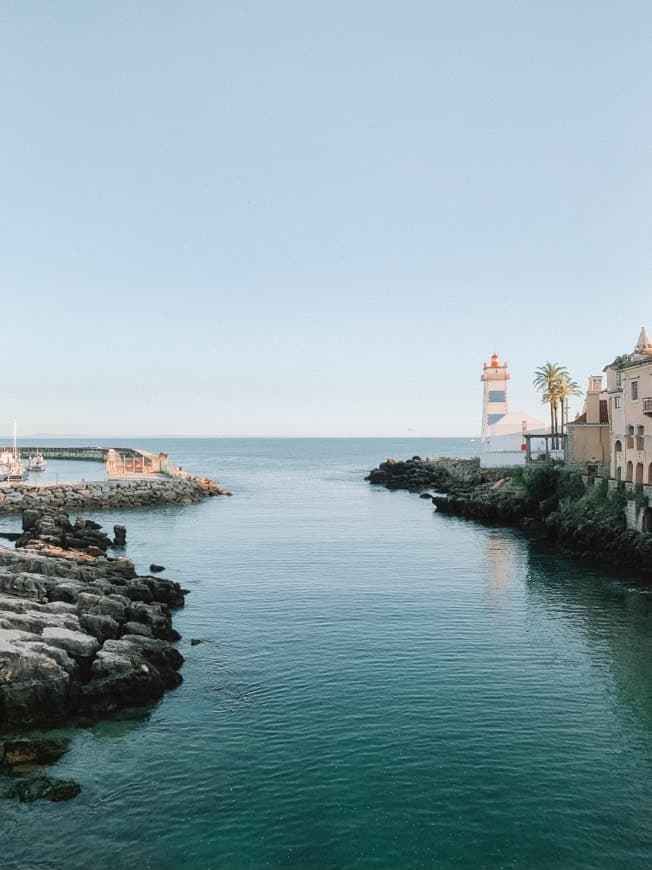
(16,470)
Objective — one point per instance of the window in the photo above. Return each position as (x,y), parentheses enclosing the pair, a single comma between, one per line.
(640,435)
(630,438)
(618,402)
(619,380)
(497,396)
(634,391)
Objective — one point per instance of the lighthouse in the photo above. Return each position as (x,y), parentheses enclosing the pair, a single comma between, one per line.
(503,442)
(494,404)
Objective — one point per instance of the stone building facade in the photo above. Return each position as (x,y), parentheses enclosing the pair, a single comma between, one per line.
(588,441)
(629,388)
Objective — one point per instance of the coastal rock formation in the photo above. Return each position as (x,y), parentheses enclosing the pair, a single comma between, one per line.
(53,528)
(23,751)
(578,531)
(182,488)
(441,474)
(81,634)
(576,516)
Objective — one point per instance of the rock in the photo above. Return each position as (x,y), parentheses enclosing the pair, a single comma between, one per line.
(111,605)
(30,518)
(41,751)
(155,569)
(81,523)
(120,676)
(75,643)
(41,788)
(34,686)
(426,495)
(99,626)
(139,591)
(119,536)
(137,628)
(194,641)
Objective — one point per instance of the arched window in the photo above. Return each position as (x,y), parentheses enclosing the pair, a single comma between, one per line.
(619,446)
(630,471)
(639,472)
(619,473)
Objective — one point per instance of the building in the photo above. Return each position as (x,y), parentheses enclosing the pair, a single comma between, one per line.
(503,432)
(629,388)
(587,437)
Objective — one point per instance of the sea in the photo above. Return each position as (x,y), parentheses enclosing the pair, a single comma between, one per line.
(377,686)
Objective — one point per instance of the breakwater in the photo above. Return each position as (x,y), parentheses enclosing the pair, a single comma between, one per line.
(80,454)
(102,495)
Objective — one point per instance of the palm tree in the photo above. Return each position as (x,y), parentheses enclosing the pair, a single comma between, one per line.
(548,379)
(567,387)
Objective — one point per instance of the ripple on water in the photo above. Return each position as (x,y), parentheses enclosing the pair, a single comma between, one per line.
(377,687)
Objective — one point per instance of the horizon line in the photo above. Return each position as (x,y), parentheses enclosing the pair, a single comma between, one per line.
(249,437)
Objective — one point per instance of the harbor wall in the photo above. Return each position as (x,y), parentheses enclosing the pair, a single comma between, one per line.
(89,454)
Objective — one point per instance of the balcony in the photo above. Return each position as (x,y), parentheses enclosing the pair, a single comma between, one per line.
(647,407)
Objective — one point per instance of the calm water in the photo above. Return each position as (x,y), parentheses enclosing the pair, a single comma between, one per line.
(378,687)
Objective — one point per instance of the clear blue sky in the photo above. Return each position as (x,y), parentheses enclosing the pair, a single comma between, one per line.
(315,218)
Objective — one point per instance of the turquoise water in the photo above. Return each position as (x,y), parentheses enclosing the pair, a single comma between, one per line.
(378,687)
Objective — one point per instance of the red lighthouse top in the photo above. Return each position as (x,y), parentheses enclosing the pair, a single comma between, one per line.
(496,364)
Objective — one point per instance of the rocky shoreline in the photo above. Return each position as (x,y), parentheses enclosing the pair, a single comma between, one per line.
(82,635)
(556,505)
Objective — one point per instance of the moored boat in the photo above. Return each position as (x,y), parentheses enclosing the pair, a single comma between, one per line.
(17,471)
(37,462)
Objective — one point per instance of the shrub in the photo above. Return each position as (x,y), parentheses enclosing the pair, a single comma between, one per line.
(541,482)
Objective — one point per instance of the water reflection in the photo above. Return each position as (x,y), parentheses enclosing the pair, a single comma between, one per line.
(500,550)
(611,609)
